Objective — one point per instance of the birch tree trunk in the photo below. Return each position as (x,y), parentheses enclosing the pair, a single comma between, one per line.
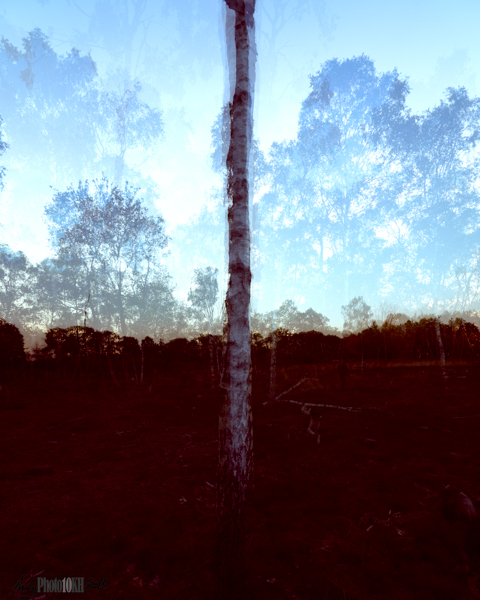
(441,349)
(235,468)
(273,368)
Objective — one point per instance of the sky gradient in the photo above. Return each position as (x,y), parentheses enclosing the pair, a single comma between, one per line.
(435,44)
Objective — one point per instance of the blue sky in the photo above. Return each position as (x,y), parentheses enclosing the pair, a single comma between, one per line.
(434,43)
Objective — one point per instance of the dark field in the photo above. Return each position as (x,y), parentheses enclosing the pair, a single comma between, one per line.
(120,485)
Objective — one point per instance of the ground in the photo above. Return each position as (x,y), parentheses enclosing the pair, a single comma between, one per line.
(120,485)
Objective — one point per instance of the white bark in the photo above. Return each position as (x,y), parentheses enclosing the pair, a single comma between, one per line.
(235,470)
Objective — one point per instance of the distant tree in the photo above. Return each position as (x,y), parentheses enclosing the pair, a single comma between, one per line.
(12,353)
(287,316)
(311,320)
(64,123)
(201,241)
(48,107)
(278,324)
(70,341)
(118,245)
(357,315)
(59,292)
(332,187)
(442,179)
(437,167)
(150,304)
(125,124)
(79,340)
(383,310)
(204,295)
(203,298)
(16,286)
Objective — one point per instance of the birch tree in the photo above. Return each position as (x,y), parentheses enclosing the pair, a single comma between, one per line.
(118,247)
(235,469)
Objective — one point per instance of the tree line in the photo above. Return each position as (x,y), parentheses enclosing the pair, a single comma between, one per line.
(88,353)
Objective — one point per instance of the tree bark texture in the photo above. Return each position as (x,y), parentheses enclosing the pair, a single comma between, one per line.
(235,468)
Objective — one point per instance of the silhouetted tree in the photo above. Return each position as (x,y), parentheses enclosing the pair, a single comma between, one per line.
(12,353)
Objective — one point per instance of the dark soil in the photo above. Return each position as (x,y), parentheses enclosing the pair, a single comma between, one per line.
(120,485)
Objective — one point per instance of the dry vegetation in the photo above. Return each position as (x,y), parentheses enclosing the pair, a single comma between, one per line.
(102,483)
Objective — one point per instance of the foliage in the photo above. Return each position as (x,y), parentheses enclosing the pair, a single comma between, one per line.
(328,185)
(357,315)
(47,106)
(16,298)
(117,247)
(203,296)
(61,118)
(287,316)
(124,124)
(12,353)
(415,340)
(77,340)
